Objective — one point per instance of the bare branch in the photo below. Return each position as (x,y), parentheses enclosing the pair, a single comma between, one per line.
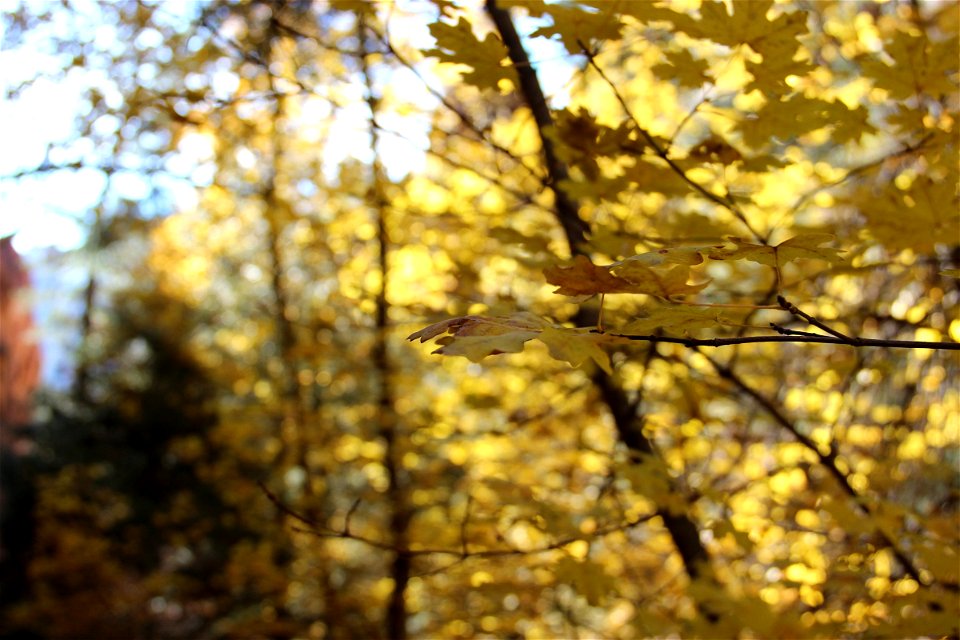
(796,337)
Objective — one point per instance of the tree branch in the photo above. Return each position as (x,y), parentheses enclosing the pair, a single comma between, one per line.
(827,456)
(792,308)
(682,529)
(567,210)
(792,337)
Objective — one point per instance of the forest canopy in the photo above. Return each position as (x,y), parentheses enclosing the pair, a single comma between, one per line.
(689,271)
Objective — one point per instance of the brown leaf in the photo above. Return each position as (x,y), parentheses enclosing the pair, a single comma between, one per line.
(584,278)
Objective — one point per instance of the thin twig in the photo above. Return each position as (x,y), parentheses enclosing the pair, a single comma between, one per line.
(792,308)
(791,332)
(724,202)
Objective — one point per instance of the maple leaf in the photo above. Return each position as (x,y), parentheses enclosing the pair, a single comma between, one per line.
(653,175)
(476,348)
(647,11)
(747,25)
(682,67)
(665,282)
(794,116)
(476,337)
(456,44)
(533,244)
(584,278)
(919,218)
(770,75)
(775,40)
(578,346)
(919,65)
(806,246)
(667,255)
(677,320)
(577,27)
(577,135)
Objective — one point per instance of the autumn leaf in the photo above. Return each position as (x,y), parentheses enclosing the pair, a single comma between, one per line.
(662,282)
(457,44)
(916,218)
(802,247)
(715,149)
(584,278)
(627,276)
(578,28)
(531,243)
(577,346)
(681,67)
(675,320)
(791,117)
(476,337)
(919,65)
(668,255)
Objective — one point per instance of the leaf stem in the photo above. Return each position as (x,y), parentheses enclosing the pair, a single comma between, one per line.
(731,305)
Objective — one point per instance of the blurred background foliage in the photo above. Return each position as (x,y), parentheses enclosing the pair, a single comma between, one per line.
(247,447)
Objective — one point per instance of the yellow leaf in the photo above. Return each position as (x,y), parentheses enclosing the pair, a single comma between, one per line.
(576,346)
(803,247)
(456,44)
(476,337)
(683,68)
(578,28)
(919,65)
(676,320)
